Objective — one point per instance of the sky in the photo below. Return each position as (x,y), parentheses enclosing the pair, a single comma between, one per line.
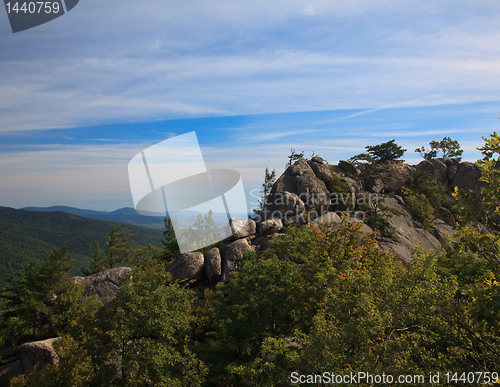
(83,94)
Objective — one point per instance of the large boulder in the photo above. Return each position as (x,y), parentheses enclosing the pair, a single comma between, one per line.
(349,167)
(395,176)
(103,285)
(9,371)
(321,170)
(213,265)
(436,169)
(467,177)
(231,255)
(327,218)
(298,189)
(37,354)
(242,228)
(270,226)
(187,266)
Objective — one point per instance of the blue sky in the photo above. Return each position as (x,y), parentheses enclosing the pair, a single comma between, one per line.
(81,95)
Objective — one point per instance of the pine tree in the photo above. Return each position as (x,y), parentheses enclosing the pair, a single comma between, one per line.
(32,292)
(171,248)
(269,179)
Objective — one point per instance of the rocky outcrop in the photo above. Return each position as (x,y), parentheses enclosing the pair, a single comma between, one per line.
(297,190)
(451,174)
(466,177)
(187,266)
(394,176)
(407,232)
(231,256)
(213,265)
(349,167)
(9,371)
(103,285)
(37,354)
(270,226)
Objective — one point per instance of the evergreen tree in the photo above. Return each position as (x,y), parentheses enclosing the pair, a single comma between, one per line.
(267,185)
(119,251)
(33,291)
(171,248)
(294,157)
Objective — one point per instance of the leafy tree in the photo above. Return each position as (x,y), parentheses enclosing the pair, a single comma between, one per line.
(267,185)
(483,205)
(32,292)
(448,147)
(147,326)
(387,152)
(74,369)
(203,234)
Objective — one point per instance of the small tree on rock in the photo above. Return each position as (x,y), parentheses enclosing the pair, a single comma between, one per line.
(448,147)
(387,152)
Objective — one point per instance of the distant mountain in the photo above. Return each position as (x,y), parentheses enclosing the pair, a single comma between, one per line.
(122,215)
(28,236)
(131,216)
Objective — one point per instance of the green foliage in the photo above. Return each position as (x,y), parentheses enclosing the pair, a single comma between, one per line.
(170,246)
(119,251)
(27,236)
(483,206)
(147,326)
(420,207)
(30,297)
(267,185)
(203,235)
(74,369)
(387,152)
(448,147)
(379,223)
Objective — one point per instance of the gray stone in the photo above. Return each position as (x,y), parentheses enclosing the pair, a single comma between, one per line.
(467,177)
(317,159)
(213,265)
(187,266)
(270,226)
(9,371)
(322,171)
(232,253)
(442,229)
(349,167)
(395,176)
(103,285)
(327,219)
(452,171)
(37,354)
(399,199)
(242,228)
(408,233)
(377,186)
(338,171)
(296,190)
(436,169)
(354,187)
